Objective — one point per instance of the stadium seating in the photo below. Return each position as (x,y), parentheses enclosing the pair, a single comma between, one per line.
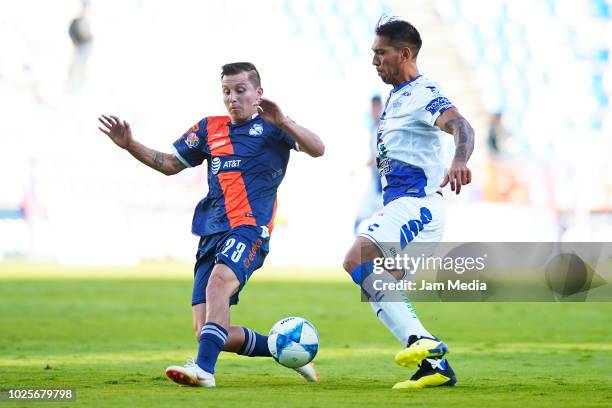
(537,59)
(545,65)
(76,167)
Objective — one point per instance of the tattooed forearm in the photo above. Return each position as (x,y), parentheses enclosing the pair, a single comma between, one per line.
(165,163)
(159,160)
(464,137)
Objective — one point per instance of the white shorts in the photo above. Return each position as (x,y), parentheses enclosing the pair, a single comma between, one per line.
(404,221)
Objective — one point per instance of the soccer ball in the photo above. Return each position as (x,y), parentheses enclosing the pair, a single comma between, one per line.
(293,342)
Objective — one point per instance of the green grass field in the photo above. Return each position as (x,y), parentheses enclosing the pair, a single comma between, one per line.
(111,333)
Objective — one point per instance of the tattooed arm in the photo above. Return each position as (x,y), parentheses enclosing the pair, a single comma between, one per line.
(120,133)
(165,163)
(453,123)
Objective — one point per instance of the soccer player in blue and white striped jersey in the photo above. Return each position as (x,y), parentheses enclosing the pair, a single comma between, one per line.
(416,117)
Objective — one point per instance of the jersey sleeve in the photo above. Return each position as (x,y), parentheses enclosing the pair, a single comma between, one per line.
(430,103)
(281,137)
(192,147)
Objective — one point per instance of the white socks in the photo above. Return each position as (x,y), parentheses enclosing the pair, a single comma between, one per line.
(394,310)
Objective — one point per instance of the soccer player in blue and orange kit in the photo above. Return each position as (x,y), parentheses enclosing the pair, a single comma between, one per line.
(247,154)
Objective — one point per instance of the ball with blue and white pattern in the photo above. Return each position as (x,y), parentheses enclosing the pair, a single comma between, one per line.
(293,342)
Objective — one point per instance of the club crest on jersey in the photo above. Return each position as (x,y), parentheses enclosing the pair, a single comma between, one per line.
(215,165)
(395,106)
(192,140)
(256,130)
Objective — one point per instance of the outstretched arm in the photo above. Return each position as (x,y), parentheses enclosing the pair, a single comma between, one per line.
(308,141)
(120,133)
(453,123)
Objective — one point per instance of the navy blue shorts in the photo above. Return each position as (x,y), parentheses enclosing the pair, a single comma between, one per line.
(243,249)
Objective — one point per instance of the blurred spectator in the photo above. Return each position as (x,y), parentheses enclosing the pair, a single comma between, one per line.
(508,176)
(372,201)
(497,137)
(376,111)
(80,34)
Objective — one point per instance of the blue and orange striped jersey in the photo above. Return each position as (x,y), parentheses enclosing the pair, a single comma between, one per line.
(246,164)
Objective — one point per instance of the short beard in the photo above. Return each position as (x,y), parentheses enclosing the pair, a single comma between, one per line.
(388,79)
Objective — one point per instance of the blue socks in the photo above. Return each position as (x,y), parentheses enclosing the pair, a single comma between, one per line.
(212,341)
(255,344)
(361,272)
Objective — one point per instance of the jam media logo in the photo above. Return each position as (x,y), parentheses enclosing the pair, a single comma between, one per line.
(256,130)
(411,229)
(215,165)
(192,140)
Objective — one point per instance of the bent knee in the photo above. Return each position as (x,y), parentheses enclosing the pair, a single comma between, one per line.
(350,263)
(362,251)
(216,285)
(222,282)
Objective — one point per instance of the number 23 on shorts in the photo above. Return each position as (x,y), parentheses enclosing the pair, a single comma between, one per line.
(238,249)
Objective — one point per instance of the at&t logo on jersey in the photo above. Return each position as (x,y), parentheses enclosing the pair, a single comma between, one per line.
(231,164)
(215,165)
(256,130)
(192,140)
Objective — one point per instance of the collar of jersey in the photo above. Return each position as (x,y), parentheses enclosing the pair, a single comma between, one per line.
(394,90)
(234,125)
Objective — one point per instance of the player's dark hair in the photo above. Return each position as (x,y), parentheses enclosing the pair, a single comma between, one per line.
(400,33)
(235,68)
